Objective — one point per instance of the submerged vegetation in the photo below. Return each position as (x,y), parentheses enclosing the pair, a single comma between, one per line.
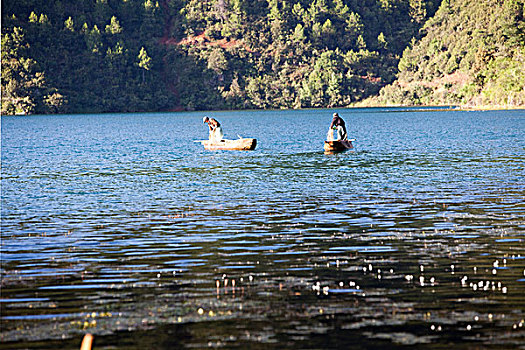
(145,55)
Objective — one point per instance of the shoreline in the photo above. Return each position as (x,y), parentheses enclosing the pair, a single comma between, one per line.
(356,105)
(442,107)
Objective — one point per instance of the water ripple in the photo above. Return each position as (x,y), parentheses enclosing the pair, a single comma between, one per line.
(131,231)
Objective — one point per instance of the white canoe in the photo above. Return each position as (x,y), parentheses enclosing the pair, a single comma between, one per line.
(240,144)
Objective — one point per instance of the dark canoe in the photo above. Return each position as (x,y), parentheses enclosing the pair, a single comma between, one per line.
(241,144)
(338,146)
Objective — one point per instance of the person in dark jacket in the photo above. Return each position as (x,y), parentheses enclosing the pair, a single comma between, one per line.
(339,124)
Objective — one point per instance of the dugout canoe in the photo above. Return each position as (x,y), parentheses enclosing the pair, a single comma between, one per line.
(241,144)
(338,146)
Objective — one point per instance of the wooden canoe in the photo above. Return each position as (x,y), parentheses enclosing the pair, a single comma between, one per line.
(242,144)
(338,146)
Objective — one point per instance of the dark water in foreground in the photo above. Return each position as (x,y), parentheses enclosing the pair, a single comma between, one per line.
(121,226)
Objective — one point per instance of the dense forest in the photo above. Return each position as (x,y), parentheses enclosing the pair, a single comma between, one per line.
(72,56)
(472,54)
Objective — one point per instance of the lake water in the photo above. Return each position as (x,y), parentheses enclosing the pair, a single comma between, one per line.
(121,226)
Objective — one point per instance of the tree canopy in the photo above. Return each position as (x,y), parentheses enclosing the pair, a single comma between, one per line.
(147,55)
(473,53)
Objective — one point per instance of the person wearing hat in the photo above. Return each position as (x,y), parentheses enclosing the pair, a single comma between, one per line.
(339,124)
(216,133)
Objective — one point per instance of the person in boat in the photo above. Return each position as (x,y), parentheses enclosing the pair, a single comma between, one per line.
(216,133)
(339,124)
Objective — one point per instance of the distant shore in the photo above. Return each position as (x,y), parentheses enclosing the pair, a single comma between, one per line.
(367,104)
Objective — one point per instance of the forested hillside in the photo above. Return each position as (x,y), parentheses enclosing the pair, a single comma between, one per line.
(472,54)
(145,55)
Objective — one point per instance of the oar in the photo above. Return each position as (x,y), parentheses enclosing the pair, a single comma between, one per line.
(86,342)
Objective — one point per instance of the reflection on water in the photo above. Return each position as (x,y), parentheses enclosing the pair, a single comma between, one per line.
(120,226)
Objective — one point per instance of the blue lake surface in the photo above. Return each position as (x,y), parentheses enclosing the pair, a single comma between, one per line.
(121,226)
